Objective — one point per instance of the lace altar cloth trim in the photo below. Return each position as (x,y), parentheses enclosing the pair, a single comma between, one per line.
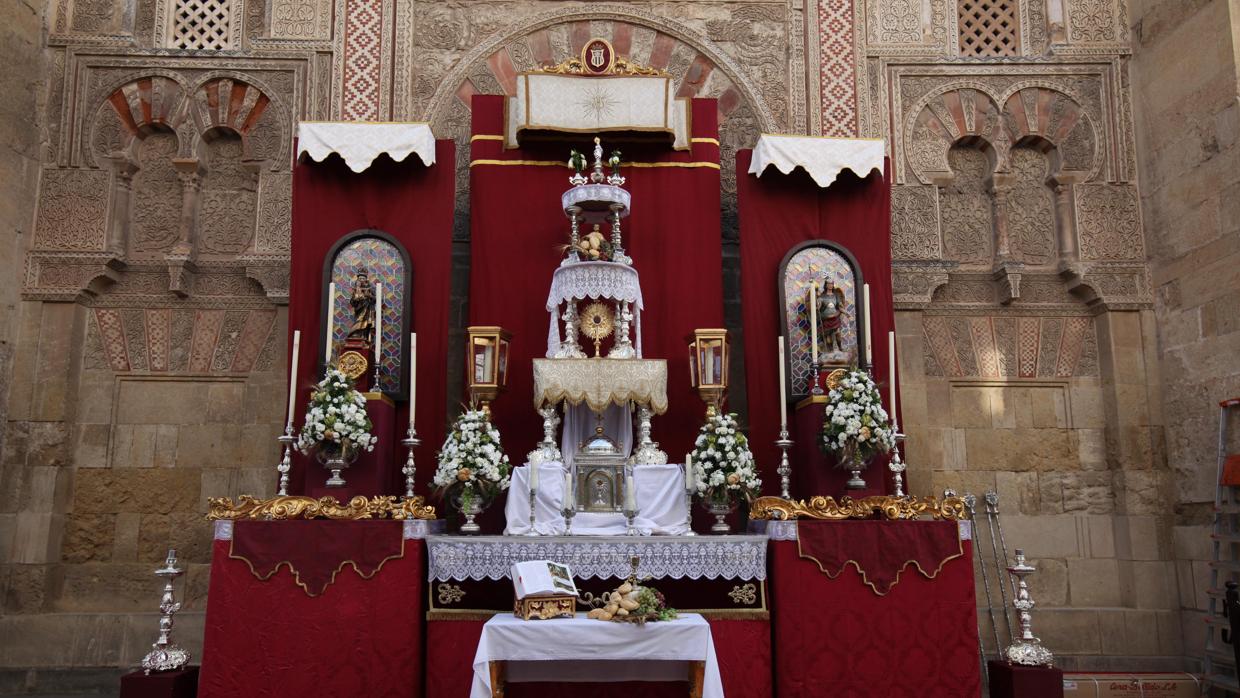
(360,143)
(822,158)
(595,194)
(593,280)
(601,382)
(677,557)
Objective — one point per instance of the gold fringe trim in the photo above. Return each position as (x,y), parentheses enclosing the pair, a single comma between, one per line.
(714,141)
(297,574)
(462,615)
(866,579)
(485,137)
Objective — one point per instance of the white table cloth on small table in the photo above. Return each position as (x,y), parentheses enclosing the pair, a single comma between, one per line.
(660,504)
(570,650)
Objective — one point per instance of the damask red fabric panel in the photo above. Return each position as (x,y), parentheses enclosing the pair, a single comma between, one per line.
(518,227)
(881,553)
(362,637)
(838,638)
(413,203)
(317,554)
(777,212)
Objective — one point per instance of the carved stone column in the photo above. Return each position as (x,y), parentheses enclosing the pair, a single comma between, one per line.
(123,170)
(1065,214)
(1001,186)
(181,258)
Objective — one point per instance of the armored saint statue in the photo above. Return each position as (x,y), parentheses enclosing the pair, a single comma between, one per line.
(363,303)
(831,318)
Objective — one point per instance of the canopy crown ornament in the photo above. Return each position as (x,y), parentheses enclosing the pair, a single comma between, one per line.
(597,58)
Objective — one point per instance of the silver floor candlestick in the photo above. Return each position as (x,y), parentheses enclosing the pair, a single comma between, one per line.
(533,501)
(785,468)
(1028,651)
(410,442)
(896,465)
(286,463)
(165,655)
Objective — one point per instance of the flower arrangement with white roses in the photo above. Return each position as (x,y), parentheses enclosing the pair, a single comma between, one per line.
(855,425)
(336,417)
(471,459)
(722,462)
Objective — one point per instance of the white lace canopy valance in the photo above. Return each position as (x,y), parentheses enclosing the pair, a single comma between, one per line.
(822,158)
(593,281)
(360,143)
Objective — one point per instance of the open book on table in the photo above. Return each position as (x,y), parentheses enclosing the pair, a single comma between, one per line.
(542,578)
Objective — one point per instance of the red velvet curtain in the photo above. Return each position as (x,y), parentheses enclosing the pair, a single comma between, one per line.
(777,212)
(517,227)
(413,203)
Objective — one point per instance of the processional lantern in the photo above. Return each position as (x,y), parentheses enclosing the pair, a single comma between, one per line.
(487,364)
(708,366)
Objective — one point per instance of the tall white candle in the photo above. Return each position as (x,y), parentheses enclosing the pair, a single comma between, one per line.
(630,494)
(533,477)
(292,375)
(891,377)
(865,293)
(568,489)
(783,389)
(331,321)
(690,473)
(378,324)
(413,374)
(813,321)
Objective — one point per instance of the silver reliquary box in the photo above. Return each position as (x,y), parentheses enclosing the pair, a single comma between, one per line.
(600,475)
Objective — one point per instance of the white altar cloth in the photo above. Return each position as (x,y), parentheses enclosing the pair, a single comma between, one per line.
(660,503)
(548,650)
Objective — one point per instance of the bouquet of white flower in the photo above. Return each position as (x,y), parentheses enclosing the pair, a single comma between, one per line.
(336,418)
(472,456)
(855,426)
(723,465)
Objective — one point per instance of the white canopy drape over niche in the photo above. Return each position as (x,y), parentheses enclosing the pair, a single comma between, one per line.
(360,143)
(823,158)
(585,105)
(593,281)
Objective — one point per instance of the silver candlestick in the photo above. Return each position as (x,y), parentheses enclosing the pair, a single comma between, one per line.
(1029,650)
(286,463)
(547,451)
(568,509)
(630,512)
(165,655)
(689,512)
(785,468)
(815,376)
(410,442)
(897,466)
(533,498)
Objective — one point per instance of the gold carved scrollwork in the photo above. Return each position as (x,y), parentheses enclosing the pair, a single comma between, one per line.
(621,66)
(450,593)
(295,507)
(744,595)
(890,508)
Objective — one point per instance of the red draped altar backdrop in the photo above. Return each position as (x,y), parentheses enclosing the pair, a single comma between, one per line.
(357,636)
(517,228)
(777,211)
(413,203)
(840,637)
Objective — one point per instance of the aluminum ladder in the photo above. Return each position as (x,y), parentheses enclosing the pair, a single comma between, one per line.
(1220,663)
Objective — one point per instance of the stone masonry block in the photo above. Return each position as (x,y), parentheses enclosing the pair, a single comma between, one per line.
(1094,582)
(142,490)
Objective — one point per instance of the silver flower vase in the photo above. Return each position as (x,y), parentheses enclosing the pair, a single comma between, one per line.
(720,508)
(469,503)
(336,459)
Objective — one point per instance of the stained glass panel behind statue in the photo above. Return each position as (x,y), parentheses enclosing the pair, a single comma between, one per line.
(386,266)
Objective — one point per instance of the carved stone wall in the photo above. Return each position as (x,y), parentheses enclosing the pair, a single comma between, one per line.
(1029,321)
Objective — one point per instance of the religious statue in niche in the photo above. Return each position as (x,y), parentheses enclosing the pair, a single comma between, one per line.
(363,303)
(823,276)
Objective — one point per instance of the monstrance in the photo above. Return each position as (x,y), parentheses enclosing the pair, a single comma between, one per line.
(597,323)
